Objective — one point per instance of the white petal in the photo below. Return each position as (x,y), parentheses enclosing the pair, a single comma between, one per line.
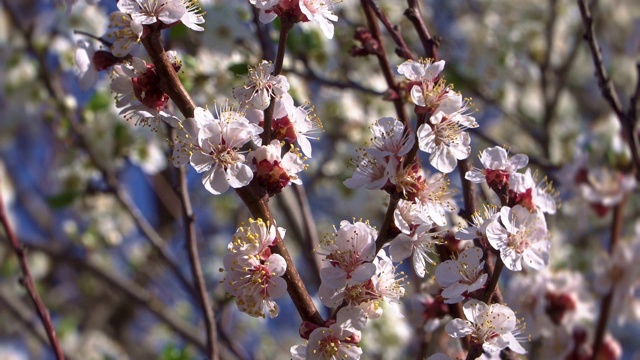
(333,277)
(276,265)
(239,175)
(458,328)
(362,273)
(214,181)
(514,344)
(443,160)
(277,287)
(401,247)
(417,96)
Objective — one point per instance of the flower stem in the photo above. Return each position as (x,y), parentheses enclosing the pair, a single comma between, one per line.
(493,283)
(286,25)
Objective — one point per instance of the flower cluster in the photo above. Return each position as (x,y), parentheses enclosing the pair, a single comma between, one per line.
(490,326)
(318,11)
(360,280)
(443,135)
(137,91)
(128,24)
(127,27)
(213,144)
(290,123)
(254,274)
(519,231)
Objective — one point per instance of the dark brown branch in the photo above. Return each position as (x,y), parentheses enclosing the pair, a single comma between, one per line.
(605,84)
(170,83)
(429,44)
(256,200)
(251,195)
(29,285)
(605,306)
(21,312)
(196,268)
(285,26)
(385,65)
(402,49)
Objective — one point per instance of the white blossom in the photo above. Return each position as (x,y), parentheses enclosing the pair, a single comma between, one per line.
(338,341)
(496,160)
(606,186)
(147,12)
(461,276)
(124,33)
(492,326)
(321,12)
(420,245)
(260,86)
(445,140)
(253,272)
(521,238)
(217,155)
(349,253)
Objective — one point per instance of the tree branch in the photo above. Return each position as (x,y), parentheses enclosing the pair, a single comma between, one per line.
(402,49)
(256,200)
(196,268)
(429,44)
(29,285)
(605,306)
(131,290)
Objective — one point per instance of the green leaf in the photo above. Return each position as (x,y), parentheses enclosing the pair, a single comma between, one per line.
(239,68)
(178,32)
(172,352)
(100,101)
(62,199)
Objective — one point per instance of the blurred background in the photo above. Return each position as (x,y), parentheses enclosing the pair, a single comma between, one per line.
(92,196)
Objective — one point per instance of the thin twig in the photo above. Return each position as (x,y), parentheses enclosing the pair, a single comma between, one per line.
(605,306)
(311,74)
(21,312)
(131,290)
(368,7)
(29,285)
(545,67)
(196,268)
(56,92)
(628,119)
(309,224)
(429,44)
(604,82)
(262,32)
(402,49)
(285,26)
